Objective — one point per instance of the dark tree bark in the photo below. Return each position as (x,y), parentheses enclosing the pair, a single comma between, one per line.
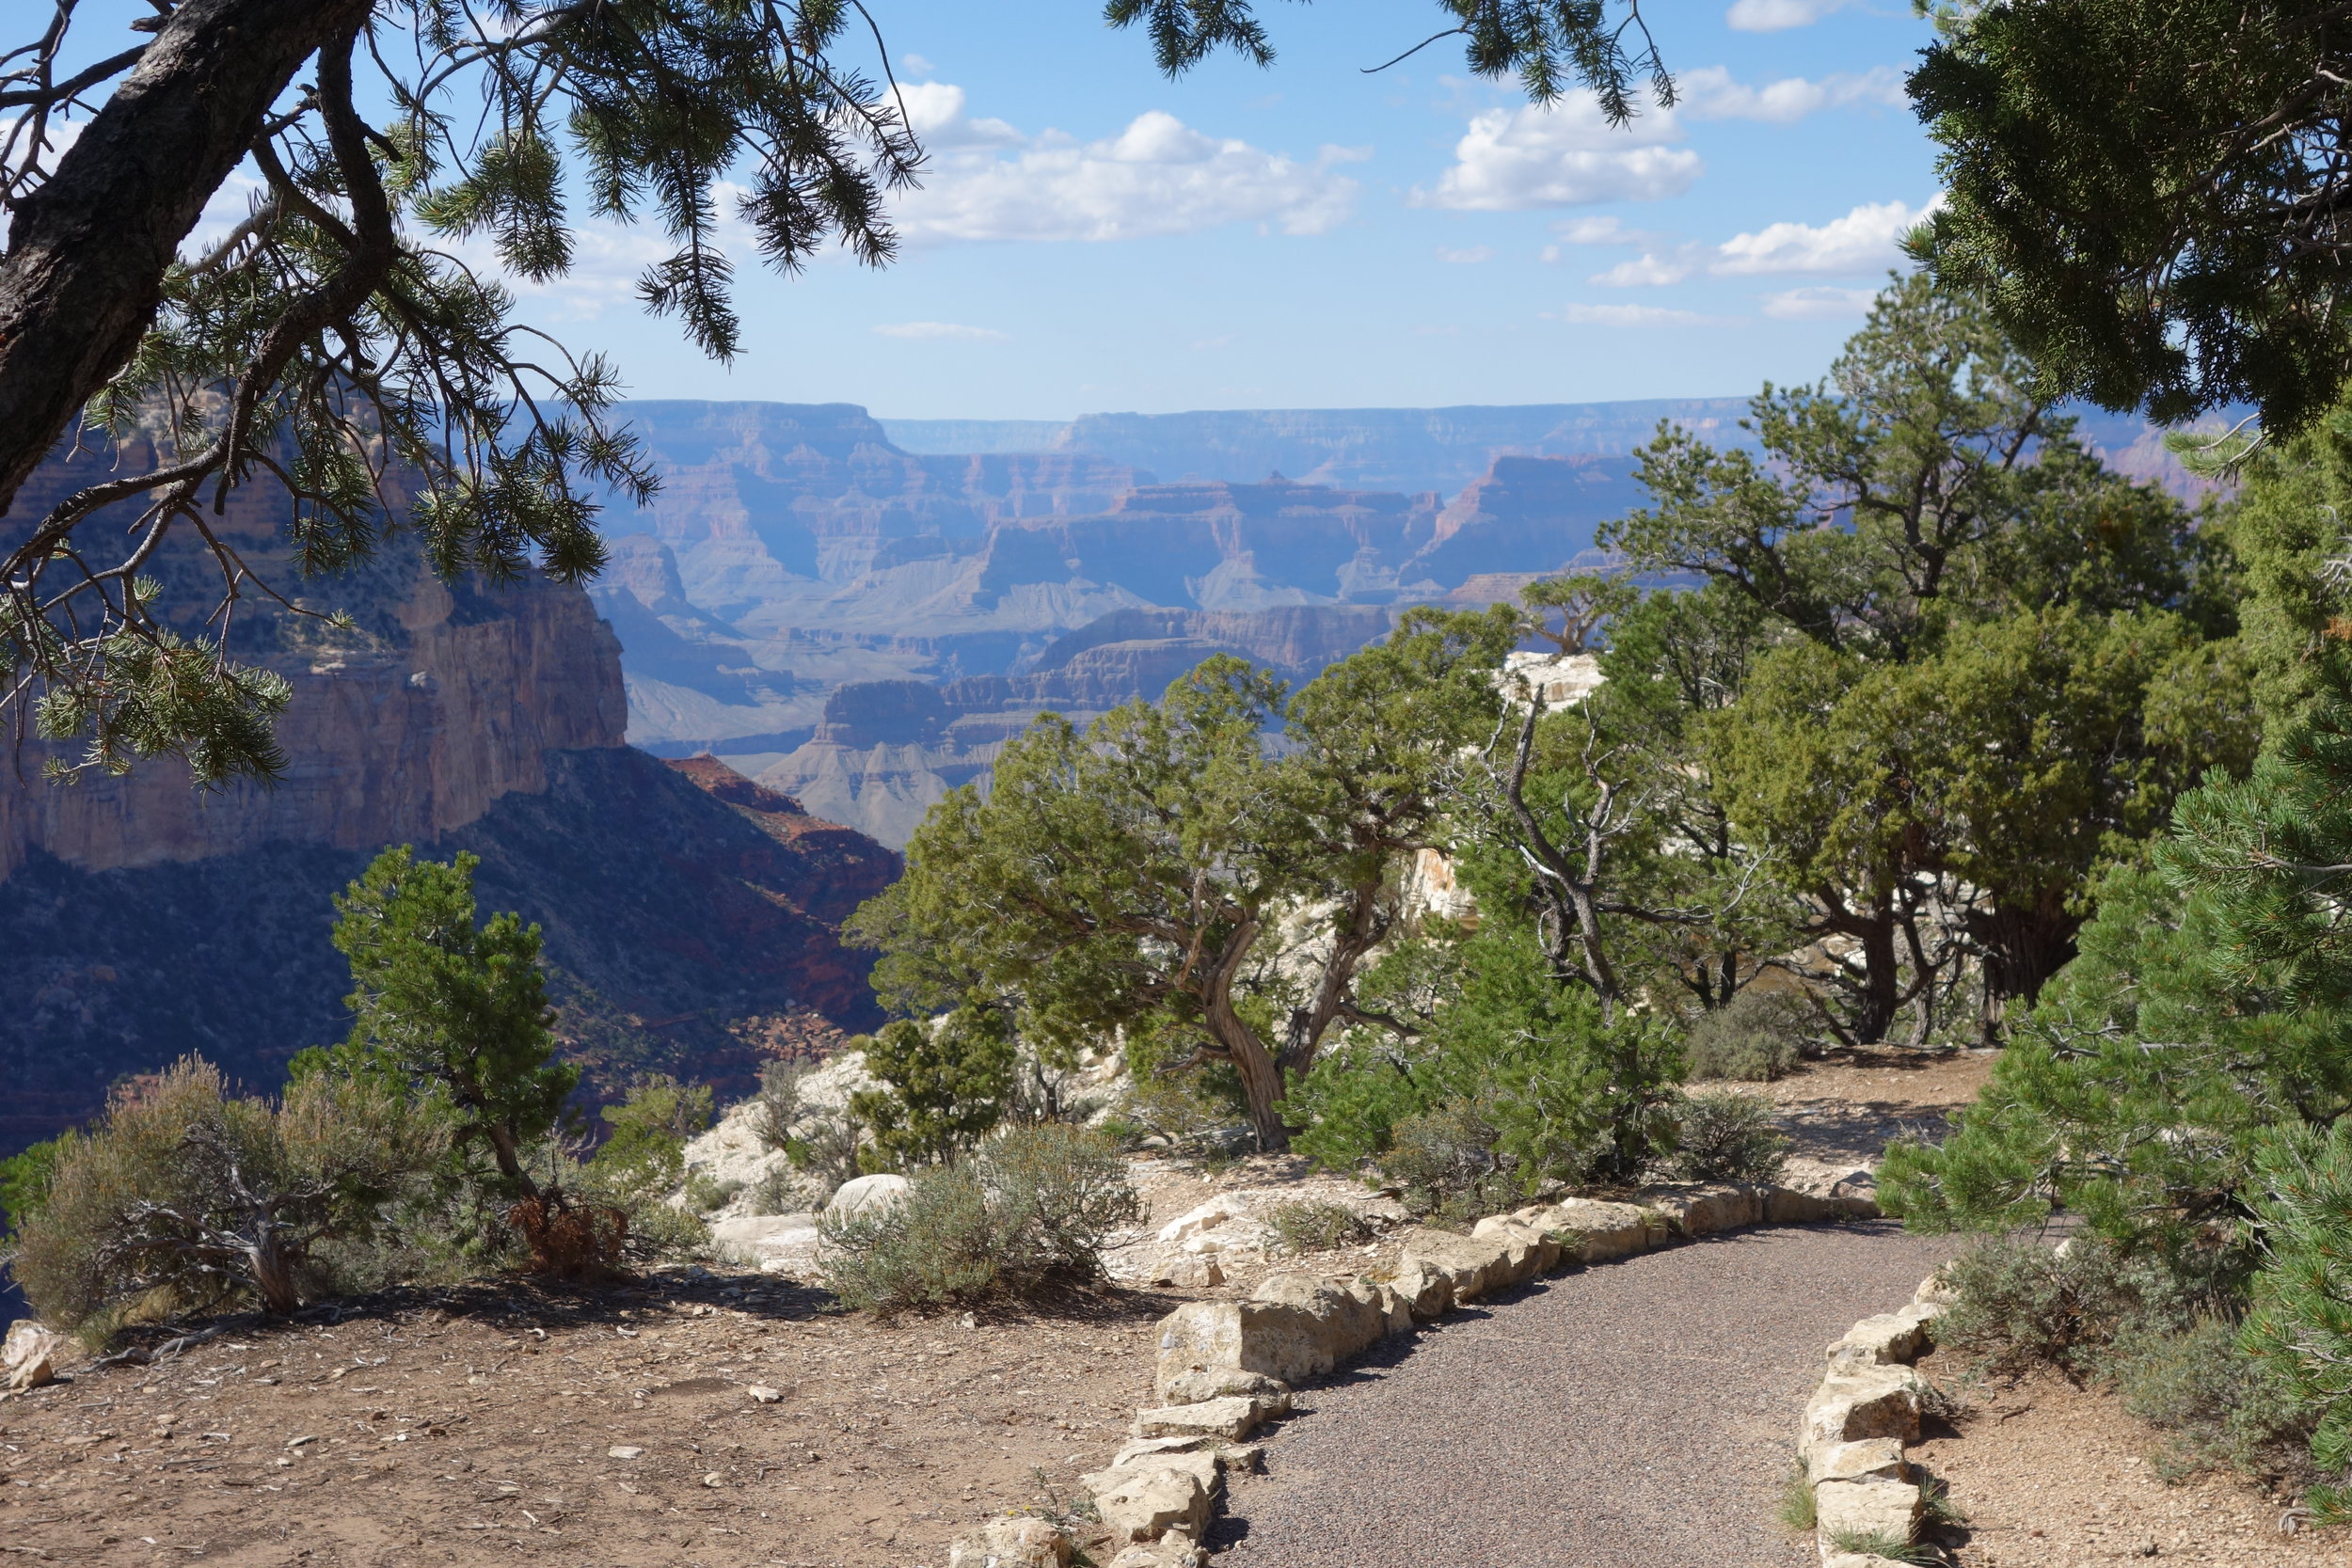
(2023,947)
(87,251)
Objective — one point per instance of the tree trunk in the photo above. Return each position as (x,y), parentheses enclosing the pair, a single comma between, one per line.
(2022,948)
(87,251)
(1261,1075)
(272,1264)
(1366,927)
(1882,976)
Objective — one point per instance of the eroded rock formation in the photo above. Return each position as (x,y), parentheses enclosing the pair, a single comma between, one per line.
(689,913)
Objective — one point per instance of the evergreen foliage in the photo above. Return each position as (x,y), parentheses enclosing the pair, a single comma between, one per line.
(948,1082)
(450,1012)
(646,1149)
(332,344)
(2151,197)
(2300,1329)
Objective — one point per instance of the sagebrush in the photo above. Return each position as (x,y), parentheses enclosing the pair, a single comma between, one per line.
(1025,1216)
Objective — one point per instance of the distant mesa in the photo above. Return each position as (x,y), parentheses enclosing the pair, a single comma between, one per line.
(862,626)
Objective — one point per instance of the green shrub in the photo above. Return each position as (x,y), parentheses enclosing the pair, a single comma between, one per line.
(1758,1035)
(24,1180)
(2300,1329)
(2219,1407)
(1564,1094)
(2023,1303)
(1728,1136)
(188,1198)
(1026,1216)
(946,1084)
(1307,1225)
(650,1131)
(1447,1168)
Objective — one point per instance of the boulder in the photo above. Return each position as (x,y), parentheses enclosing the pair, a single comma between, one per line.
(1172,1550)
(1196,1386)
(30,1357)
(1787,1205)
(1471,1266)
(1867,1508)
(1934,1291)
(1383,1298)
(1868,1401)
(1871,1459)
(1138,1450)
(864,1195)
(1534,1249)
(1425,1288)
(1231,1418)
(1146,1502)
(1195,1222)
(1011,1543)
(1887,1339)
(1596,1232)
(1297,1326)
(754,1239)
(1697,1210)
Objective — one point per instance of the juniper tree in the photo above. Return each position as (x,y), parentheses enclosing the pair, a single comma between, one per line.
(2210,1008)
(1136,875)
(335,344)
(944,1085)
(1926,488)
(450,1013)
(2151,195)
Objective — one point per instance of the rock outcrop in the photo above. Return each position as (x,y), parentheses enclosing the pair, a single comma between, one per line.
(690,916)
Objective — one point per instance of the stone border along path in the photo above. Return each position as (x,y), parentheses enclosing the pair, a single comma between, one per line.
(1856,1426)
(1226,1368)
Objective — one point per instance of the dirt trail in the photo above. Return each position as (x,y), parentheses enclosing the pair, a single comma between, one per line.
(1639,1414)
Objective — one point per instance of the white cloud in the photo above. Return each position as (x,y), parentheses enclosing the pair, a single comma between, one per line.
(936,330)
(1608,230)
(1865,240)
(1627,315)
(1647,270)
(1710,93)
(1564,156)
(935,115)
(1819,303)
(1158,176)
(1774,16)
(1469,257)
(917,65)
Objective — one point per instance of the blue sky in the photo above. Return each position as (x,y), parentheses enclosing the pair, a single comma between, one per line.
(1095,237)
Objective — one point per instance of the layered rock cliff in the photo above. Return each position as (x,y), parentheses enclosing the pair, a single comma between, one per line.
(689,915)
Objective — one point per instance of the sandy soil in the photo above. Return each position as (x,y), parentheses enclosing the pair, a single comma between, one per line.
(596,1428)
(490,1421)
(2053,1476)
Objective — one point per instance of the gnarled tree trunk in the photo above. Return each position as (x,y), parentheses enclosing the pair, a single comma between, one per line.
(86,252)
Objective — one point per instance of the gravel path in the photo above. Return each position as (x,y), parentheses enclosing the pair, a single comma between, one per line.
(1638,1415)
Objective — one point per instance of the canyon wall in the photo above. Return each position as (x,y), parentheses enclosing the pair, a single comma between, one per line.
(691,918)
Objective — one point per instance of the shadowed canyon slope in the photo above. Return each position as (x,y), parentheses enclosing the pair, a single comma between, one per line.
(689,913)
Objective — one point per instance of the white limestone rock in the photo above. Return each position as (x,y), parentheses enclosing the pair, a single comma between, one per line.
(1011,1543)
(1868,1401)
(29,1355)
(867,1195)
